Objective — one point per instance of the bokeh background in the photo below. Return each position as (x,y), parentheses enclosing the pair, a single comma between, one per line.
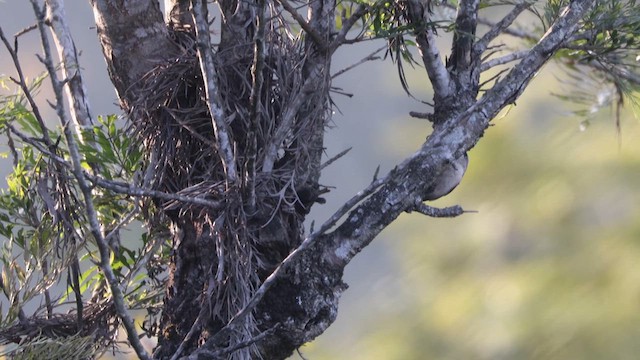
(548,265)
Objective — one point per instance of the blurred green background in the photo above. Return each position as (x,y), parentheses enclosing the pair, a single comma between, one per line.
(548,267)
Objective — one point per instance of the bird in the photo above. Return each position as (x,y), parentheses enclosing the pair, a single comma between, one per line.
(448,179)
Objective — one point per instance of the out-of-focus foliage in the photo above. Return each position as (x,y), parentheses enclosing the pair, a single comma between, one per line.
(546,269)
(71,348)
(601,64)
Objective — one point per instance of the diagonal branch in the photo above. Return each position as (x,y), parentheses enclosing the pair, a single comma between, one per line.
(75,90)
(347,24)
(320,42)
(482,44)
(288,117)
(209,74)
(459,134)
(22,83)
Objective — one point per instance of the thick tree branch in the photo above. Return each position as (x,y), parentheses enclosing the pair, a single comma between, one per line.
(457,136)
(426,42)
(280,271)
(466,23)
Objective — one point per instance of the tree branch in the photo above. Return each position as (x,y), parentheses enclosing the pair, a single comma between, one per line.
(464,36)
(288,117)
(427,210)
(372,56)
(481,45)
(280,271)
(134,39)
(384,200)
(503,60)
(347,24)
(22,83)
(92,215)
(426,42)
(320,42)
(255,102)
(75,90)
(218,118)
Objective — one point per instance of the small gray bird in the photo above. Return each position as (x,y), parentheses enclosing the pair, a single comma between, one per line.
(448,179)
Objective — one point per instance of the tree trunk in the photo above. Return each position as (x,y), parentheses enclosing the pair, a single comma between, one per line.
(221,256)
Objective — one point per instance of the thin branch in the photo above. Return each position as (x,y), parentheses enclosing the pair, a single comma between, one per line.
(117,187)
(22,82)
(204,312)
(320,42)
(12,147)
(288,117)
(36,144)
(448,212)
(616,72)
(76,92)
(333,159)
(257,78)
(26,30)
(219,354)
(421,115)
(128,189)
(509,89)
(347,24)
(209,74)
(516,55)
(494,78)
(370,57)
(75,286)
(481,45)
(92,215)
